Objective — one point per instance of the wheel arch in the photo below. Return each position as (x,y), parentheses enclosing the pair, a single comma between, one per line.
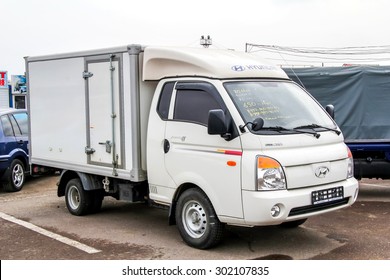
(24,159)
(182,188)
(88,181)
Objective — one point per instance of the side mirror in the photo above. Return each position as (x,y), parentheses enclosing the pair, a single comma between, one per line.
(257,124)
(330,110)
(217,123)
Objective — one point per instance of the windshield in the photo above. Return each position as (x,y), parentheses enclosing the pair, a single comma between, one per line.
(279,103)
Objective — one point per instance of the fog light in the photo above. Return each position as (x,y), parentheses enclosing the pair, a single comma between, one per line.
(275,211)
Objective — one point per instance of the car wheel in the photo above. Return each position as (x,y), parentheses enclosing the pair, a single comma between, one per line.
(16,177)
(78,201)
(197,221)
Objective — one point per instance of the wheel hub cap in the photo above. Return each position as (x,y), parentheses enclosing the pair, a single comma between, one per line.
(194,218)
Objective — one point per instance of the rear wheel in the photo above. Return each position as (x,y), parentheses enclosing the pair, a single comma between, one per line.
(197,221)
(16,177)
(78,201)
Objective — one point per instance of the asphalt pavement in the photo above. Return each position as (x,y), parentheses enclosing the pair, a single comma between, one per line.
(35,224)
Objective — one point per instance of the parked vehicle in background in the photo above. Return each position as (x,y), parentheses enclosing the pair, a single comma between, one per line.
(361,97)
(14,162)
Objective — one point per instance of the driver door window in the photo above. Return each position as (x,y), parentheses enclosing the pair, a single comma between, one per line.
(194,106)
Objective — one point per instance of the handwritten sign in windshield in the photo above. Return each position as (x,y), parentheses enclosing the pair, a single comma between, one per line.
(258,101)
(278,103)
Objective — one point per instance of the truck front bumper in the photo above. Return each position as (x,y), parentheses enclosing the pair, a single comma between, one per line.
(293,204)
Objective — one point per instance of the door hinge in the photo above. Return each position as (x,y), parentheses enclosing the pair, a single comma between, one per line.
(87,74)
(89,150)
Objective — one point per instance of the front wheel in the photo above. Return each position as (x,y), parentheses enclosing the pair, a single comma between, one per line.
(197,221)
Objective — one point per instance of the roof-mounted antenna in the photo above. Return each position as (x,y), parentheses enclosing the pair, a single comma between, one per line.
(206,41)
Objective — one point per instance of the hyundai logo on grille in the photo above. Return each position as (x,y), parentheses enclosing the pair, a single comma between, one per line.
(321,171)
(238,68)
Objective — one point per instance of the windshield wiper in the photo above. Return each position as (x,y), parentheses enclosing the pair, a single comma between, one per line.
(338,132)
(281,128)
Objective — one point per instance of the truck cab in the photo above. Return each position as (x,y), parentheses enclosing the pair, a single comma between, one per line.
(244,142)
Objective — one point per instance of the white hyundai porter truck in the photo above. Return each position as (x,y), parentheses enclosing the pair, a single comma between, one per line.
(219,137)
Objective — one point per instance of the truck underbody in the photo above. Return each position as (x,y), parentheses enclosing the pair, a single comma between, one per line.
(371,159)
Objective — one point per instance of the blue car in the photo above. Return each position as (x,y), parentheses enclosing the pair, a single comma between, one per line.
(14,162)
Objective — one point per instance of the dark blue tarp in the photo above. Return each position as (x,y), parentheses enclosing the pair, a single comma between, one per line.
(360,94)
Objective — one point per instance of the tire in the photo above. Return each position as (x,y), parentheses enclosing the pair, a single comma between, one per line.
(78,201)
(197,221)
(293,224)
(16,177)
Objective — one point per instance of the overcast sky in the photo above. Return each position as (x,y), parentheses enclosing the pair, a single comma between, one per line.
(37,27)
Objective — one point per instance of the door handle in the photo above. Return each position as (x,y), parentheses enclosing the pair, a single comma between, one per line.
(108,145)
(167,146)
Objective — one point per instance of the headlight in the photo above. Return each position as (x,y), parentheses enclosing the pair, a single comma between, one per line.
(350,164)
(270,174)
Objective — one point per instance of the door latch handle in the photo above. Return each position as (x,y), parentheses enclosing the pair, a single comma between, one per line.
(167,146)
(108,145)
